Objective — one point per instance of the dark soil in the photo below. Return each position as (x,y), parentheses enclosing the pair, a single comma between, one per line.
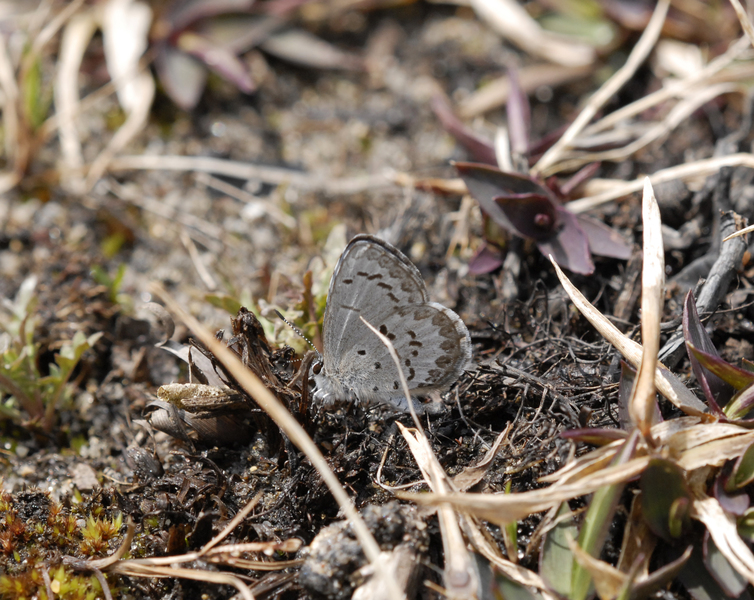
(537,363)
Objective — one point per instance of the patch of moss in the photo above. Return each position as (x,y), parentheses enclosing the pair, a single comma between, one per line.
(36,532)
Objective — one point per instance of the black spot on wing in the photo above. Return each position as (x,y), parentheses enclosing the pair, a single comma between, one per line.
(361,352)
(444,361)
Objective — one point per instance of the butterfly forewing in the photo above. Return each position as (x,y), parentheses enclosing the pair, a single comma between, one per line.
(370,279)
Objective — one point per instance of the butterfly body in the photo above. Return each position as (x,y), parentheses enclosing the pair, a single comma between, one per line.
(376,281)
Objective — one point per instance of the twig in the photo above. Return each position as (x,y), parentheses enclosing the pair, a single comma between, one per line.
(720,275)
(273,175)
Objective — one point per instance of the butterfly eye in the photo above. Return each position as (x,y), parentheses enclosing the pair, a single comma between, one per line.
(317,368)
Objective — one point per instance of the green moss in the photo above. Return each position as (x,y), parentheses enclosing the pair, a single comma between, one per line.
(35,530)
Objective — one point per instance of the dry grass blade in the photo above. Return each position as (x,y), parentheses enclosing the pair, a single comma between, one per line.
(508,508)
(232,524)
(642,406)
(694,98)
(273,175)
(609,89)
(141,568)
(673,89)
(667,383)
(510,20)
(460,581)
(693,170)
(739,233)
(125,29)
(76,37)
(722,529)
(743,18)
(272,406)
(10,103)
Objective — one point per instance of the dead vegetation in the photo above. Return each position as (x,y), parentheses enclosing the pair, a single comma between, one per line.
(551,469)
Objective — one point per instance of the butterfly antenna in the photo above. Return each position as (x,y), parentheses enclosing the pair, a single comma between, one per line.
(299,332)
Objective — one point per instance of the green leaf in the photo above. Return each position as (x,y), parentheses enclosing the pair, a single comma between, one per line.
(743,469)
(506,589)
(227,303)
(665,499)
(725,575)
(556,558)
(598,518)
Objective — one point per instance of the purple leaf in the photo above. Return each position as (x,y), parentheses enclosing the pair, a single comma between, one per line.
(479,148)
(717,391)
(604,240)
(741,404)
(487,184)
(182,77)
(238,33)
(597,437)
(486,260)
(570,247)
(499,193)
(183,13)
(734,503)
(218,58)
(531,215)
(737,377)
(582,175)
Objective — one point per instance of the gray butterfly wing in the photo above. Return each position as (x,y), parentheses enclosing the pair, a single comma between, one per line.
(376,281)
(371,276)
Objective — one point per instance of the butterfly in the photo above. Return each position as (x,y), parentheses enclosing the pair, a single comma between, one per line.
(376,281)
